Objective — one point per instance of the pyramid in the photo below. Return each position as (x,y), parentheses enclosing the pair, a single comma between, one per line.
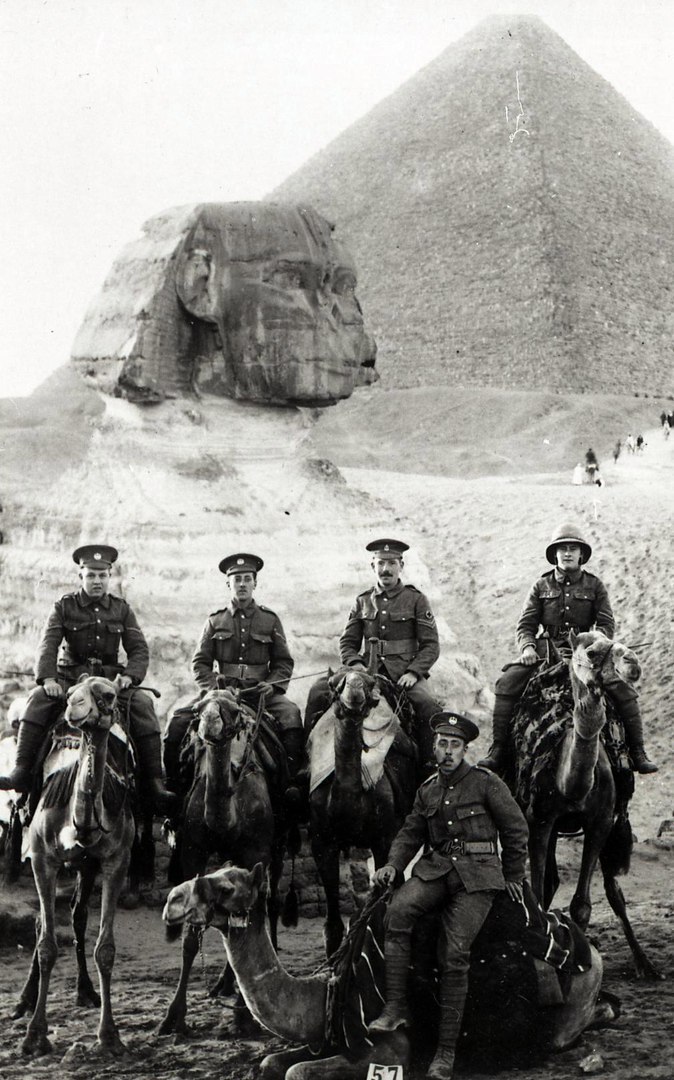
(512,217)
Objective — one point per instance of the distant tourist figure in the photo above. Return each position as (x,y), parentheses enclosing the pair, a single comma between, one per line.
(591,465)
(616,451)
(640,443)
(631,443)
(670,419)
(663,417)
(578,475)
(666,428)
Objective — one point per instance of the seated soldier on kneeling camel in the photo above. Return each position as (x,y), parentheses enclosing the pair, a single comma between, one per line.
(82,637)
(565,598)
(457,815)
(400,619)
(243,646)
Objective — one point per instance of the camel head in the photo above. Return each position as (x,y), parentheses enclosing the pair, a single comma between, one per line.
(91,703)
(355,692)
(222,899)
(220,717)
(597,660)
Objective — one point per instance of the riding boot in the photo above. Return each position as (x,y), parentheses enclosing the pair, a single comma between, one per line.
(453,990)
(296,795)
(630,714)
(396,1013)
(27,748)
(500,725)
(148,748)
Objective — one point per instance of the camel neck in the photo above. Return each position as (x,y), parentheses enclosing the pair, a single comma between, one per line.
(292,1008)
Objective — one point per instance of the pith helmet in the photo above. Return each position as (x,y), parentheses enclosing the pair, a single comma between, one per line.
(567,534)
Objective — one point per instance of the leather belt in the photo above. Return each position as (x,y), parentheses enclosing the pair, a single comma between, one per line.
(466,847)
(244,671)
(398,645)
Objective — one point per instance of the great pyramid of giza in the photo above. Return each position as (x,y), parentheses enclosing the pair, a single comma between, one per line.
(512,218)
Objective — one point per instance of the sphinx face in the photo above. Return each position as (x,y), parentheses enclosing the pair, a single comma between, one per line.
(273,299)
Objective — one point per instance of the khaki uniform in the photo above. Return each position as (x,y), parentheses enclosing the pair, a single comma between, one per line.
(81,634)
(403,623)
(248,644)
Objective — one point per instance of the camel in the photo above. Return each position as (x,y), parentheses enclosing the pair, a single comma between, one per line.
(84,818)
(228,812)
(355,801)
(576,786)
(297,1010)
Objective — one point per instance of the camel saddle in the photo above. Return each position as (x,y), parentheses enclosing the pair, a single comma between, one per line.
(380,730)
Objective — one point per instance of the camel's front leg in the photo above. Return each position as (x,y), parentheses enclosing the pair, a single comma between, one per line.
(540,835)
(642,965)
(104,952)
(174,1020)
(580,908)
(26,1002)
(79,905)
(46,950)
(327,863)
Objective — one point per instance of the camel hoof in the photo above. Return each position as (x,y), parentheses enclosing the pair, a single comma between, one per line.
(32,1047)
(21,1009)
(169,1026)
(87,998)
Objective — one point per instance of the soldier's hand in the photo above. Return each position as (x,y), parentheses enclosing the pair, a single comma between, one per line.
(515,891)
(408,680)
(123,681)
(52,688)
(529,656)
(385,875)
(263,688)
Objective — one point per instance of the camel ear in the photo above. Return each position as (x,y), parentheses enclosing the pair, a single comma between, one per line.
(258,875)
(573,639)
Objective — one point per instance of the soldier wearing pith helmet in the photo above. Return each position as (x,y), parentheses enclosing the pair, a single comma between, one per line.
(458,814)
(400,620)
(243,645)
(83,636)
(566,598)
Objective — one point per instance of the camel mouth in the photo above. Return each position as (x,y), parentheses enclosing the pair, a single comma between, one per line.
(239,920)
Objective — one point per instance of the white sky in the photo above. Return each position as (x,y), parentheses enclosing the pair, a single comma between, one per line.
(113,110)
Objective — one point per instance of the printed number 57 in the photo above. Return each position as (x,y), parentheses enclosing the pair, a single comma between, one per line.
(385,1072)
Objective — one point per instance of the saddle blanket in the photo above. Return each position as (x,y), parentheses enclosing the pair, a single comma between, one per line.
(379,730)
(65,749)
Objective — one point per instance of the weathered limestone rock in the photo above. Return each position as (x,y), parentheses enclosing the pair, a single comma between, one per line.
(247,300)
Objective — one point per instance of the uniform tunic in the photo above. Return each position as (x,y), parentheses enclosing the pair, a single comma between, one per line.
(558,602)
(402,620)
(247,644)
(81,628)
(475,805)
(561,601)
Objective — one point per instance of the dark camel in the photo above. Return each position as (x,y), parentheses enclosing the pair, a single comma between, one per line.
(356,804)
(83,817)
(228,812)
(232,901)
(577,789)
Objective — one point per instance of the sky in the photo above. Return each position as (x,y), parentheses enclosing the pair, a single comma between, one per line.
(113,111)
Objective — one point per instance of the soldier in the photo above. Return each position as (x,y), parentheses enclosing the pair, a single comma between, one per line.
(243,644)
(400,619)
(565,598)
(83,635)
(457,814)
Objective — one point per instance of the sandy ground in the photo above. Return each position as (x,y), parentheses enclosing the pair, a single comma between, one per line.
(146,970)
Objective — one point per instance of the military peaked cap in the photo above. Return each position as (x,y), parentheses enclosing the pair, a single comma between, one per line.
(241,563)
(451,723)
(95,555)
(393,548)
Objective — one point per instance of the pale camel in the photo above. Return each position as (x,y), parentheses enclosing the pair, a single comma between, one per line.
(356,804)
(579,791)
(232,900)
(83,818)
